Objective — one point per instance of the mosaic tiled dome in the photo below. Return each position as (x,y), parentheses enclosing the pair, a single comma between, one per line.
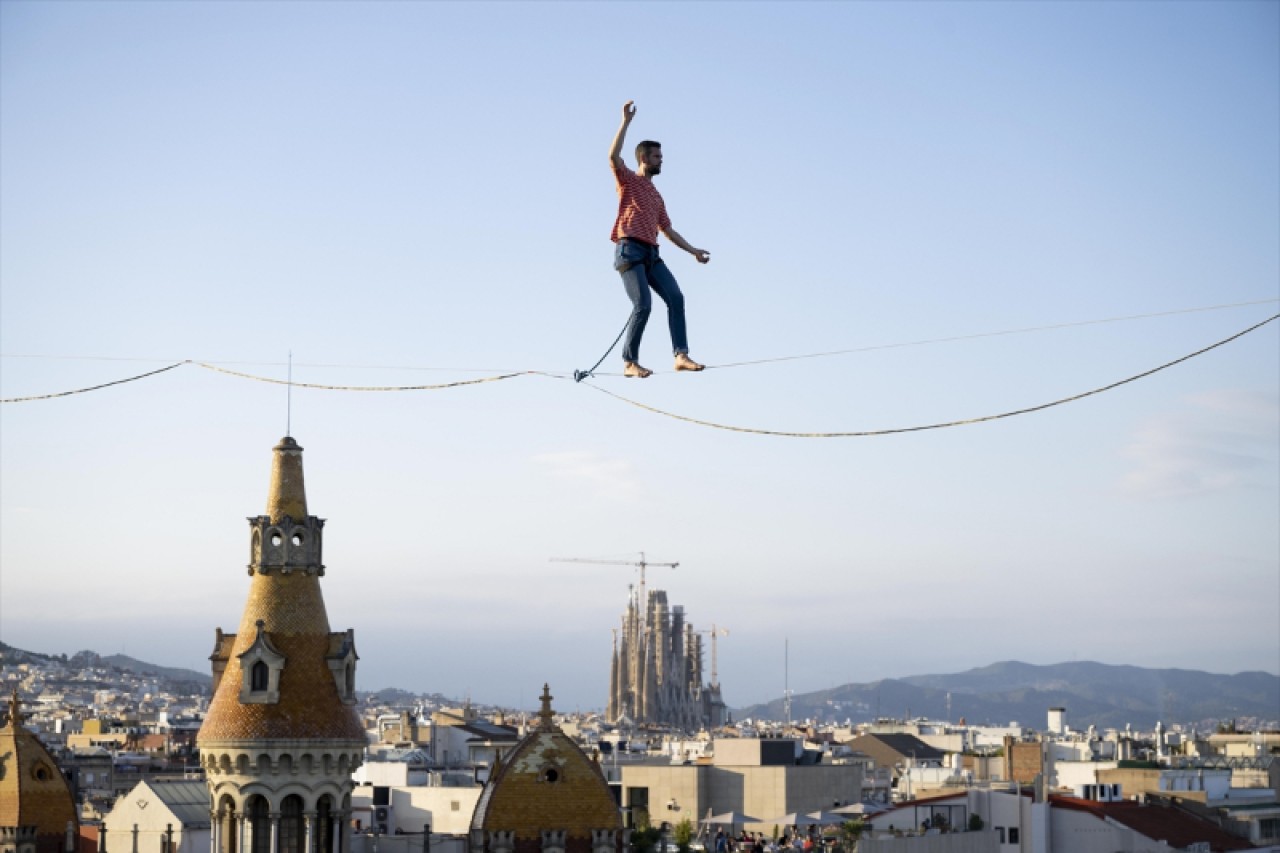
(32,790)
(547,784)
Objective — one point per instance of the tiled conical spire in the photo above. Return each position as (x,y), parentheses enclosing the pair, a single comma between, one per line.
(288,495)
(283,675)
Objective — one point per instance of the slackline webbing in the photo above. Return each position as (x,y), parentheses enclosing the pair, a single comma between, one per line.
(579,375)
(91,387)
(867,433)
(318,387)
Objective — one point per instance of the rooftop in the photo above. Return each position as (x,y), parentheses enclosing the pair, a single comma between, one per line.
(1158,822)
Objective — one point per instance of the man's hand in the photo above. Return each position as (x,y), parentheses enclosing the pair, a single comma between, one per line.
(615,150)
(702,255)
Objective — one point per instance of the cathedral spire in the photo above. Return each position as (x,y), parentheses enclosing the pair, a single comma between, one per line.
(288,494)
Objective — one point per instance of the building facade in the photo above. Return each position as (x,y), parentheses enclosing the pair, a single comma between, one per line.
(170,816)
(762,778)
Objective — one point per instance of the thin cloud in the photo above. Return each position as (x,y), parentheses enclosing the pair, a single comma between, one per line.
(607,477)
(1215,442)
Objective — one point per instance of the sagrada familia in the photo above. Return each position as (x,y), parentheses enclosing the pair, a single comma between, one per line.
(656,675)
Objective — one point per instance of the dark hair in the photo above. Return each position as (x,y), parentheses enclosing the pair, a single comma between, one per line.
(645,147)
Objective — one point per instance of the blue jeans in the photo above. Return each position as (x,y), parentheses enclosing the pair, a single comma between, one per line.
(642,270)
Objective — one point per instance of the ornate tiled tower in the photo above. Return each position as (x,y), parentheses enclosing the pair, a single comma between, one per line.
(37,813)
(282,737)
(547,796)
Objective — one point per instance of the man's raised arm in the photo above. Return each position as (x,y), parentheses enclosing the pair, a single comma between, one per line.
(615,153)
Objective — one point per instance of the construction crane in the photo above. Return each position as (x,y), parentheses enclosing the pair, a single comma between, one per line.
(715,633)
(642,565)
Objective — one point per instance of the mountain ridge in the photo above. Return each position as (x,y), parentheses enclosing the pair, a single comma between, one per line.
(1099,694)
(123,663)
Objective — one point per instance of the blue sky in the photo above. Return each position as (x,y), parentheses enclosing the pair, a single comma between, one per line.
(417,193)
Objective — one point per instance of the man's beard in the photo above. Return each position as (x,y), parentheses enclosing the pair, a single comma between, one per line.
(655,170)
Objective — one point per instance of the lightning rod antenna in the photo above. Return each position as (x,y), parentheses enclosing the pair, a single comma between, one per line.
(288,405)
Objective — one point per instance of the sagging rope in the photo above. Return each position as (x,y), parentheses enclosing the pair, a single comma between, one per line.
(867,433)
(696,421)
(268,379)
(92,387)
(318,387)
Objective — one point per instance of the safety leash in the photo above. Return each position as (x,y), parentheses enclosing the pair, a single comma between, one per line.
(579,375)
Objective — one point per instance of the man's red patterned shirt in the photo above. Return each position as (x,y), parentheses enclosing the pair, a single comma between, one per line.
(641,211)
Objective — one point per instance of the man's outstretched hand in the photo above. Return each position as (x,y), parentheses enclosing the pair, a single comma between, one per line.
(702,255)
(628,110)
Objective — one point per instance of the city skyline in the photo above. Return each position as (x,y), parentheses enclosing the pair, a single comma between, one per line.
(990,695)
(416,194)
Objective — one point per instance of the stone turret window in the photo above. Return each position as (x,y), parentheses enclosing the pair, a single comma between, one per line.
(261,665)
(259,677)
(324,826)
(257,812)
(291,827)
(285,546)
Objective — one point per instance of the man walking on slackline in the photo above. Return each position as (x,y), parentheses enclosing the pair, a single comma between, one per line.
(641,215)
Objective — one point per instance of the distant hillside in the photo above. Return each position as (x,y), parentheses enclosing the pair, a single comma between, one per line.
(1093,693)
(9,656)
(123,663)
(128,664)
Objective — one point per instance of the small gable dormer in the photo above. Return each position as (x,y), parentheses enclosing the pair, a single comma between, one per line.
(342,659)
(260,668)
(222,645)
